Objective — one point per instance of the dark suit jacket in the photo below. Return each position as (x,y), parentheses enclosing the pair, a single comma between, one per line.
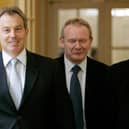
(98,97)
(40,106)
(120,82)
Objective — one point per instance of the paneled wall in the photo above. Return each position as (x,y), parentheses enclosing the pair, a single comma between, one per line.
(6,2)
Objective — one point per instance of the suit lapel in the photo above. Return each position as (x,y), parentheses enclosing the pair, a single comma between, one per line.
(90,90)
(4,91)
(31,75)
(90,75)
(88,79)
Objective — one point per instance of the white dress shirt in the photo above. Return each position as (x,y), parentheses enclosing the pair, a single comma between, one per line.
(21,66)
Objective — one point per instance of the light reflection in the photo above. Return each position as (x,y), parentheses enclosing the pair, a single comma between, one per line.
(89,12)
(120,12)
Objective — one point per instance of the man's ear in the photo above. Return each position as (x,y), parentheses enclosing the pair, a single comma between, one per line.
(61,43)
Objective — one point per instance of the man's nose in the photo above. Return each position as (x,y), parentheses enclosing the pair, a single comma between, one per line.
(78,44)
(12,33)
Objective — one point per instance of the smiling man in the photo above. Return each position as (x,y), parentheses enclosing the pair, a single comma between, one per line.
(27,80)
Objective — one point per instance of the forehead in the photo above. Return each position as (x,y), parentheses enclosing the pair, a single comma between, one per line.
(10,19)
(76,29)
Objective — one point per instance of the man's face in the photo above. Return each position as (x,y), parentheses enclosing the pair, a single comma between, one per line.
(12,34)
(76,42)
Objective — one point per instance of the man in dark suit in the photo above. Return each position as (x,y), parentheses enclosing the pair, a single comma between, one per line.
(120,82)
(76,39)
(37,108)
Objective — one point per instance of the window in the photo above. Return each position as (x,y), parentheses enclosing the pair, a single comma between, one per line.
(120,34)
(28,7)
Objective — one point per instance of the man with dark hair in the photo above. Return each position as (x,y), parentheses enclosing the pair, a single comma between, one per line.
(28,82)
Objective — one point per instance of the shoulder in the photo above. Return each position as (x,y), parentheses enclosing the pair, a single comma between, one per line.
(120,67)
(97,69)
(60,59)
(121,64)
(96,64)
(39,60)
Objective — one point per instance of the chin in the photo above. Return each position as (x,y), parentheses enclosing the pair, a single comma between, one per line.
(77,61)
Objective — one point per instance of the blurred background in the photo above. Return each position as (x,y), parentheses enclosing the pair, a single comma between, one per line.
(109,20)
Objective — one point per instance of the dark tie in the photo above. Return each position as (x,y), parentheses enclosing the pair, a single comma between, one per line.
(75,93)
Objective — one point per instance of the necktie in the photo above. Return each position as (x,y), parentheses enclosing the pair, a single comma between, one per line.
(15,83)
(75,93)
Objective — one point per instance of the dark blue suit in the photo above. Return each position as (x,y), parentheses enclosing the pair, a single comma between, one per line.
(39,106)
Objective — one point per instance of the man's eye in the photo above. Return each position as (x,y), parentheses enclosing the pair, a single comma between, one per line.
(72,40)
(18,29)
(5,30)
(83,40)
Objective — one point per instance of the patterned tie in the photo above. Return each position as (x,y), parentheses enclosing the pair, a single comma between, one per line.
(15,83)
(75,93)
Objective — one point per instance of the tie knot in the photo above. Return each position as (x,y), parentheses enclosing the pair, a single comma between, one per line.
(14,61)
(76,69)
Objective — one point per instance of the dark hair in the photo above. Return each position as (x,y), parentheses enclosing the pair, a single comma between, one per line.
(14,10)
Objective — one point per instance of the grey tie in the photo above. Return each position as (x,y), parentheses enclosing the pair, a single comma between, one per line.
(76,97)
(15,83)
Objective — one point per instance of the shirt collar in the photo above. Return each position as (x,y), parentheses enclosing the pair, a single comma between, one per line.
(69,65)
(21,57)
